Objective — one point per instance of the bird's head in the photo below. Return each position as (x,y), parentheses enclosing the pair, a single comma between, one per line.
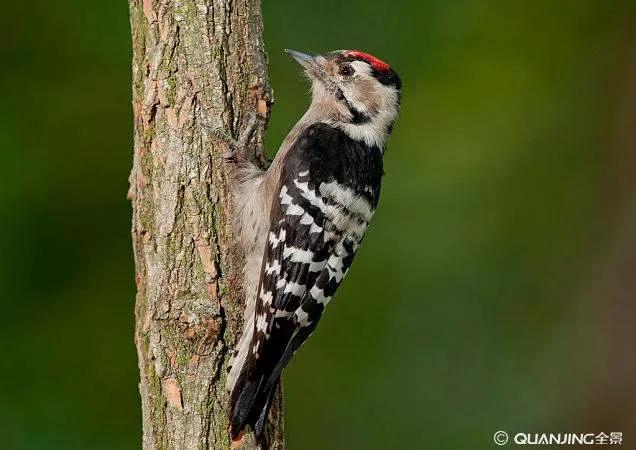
(354,91)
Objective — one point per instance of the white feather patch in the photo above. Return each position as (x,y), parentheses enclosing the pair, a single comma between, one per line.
(267,298)
(334,266)
(294,210)
(273,269)
(261,323)
(310,195)
(302,317)
(294,288)
(319,295)
(285,198)
(348,198)
(316,266)
(298,254)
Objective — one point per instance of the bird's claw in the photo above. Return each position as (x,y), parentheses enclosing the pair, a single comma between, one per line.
(249,130)
(220,133)
(237,147)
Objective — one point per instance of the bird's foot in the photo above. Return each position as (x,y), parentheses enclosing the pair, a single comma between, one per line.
(237,147)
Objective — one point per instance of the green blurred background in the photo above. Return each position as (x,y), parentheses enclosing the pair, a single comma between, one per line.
(496,286)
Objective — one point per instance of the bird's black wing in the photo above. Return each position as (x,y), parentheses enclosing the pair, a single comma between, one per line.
(317,222)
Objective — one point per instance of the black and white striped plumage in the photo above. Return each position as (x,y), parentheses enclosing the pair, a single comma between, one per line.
(324,195)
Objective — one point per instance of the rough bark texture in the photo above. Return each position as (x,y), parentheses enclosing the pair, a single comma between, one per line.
(194,62)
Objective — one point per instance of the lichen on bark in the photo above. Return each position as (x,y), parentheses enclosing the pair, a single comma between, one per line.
(194,61)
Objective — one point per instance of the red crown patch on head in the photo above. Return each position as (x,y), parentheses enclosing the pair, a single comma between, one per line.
(376,63)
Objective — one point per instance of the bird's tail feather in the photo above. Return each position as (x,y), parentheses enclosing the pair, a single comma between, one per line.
(250,402)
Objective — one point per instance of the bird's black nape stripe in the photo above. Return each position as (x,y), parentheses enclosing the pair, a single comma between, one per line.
(388,78)
(357,117)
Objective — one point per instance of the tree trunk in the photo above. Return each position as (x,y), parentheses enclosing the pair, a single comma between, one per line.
(194,62)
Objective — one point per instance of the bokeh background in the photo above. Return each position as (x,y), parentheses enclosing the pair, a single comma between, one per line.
(495,289)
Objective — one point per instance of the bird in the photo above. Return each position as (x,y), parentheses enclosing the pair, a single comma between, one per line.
(301,221)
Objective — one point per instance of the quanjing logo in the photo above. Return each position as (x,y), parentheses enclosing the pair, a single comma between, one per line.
(613,438)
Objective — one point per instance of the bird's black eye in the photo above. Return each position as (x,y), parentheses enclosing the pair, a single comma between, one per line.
(346,70)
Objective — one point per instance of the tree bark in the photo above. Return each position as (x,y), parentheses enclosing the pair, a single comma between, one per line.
(195,62)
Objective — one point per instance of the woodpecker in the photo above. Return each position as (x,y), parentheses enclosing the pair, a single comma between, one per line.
(301,221)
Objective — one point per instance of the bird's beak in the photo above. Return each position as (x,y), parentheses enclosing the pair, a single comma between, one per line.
(314,65)
(301,58)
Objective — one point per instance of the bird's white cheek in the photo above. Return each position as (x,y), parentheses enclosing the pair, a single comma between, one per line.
(354,99)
